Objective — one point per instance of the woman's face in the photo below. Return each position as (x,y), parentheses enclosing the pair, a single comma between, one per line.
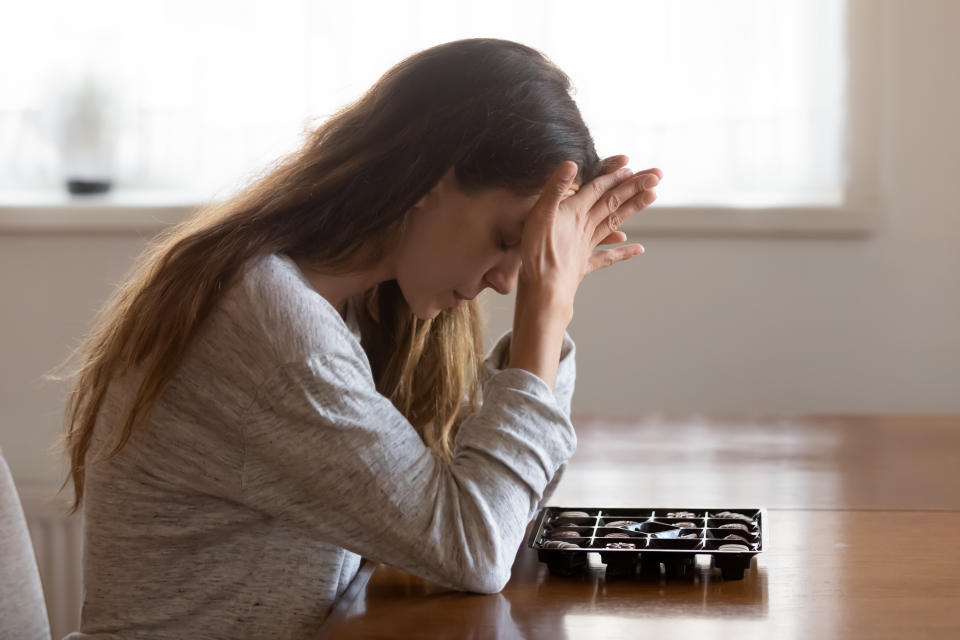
(453,244)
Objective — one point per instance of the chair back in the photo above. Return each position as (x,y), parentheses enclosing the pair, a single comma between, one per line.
(23,612)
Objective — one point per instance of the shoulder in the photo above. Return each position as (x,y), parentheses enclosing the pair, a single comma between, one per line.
(284,312)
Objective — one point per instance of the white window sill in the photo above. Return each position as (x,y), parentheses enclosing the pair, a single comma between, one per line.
(139,212)
(815,221)
(122,211)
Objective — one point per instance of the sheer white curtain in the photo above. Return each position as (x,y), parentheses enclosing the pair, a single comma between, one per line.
(740,102)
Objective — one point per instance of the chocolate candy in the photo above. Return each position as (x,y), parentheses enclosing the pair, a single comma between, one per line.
(733,547)
(565,533)
(573,514)
(684,525)
(620,545)
(559,544)
(734,536)
(735,525)
(621,523)
(689,535)
(730,514)
(618,535)
(681,514)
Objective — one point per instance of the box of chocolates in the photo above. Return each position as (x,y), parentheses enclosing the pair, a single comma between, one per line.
(649,540)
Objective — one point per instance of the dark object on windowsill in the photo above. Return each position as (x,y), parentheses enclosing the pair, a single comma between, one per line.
(78,187)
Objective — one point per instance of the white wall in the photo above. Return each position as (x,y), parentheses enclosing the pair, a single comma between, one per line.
(796,325)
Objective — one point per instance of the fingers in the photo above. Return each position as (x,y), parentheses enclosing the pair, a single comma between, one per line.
(608,165)
(655,171)
(609,257)
(613,238)
(628,197)
(614,162)
(587,196)
(557,187)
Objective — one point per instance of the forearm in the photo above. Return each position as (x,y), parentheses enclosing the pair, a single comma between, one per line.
(537,342)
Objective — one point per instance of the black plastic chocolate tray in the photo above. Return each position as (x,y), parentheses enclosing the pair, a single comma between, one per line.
(648,538)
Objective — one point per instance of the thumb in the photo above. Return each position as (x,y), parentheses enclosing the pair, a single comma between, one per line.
(557,186)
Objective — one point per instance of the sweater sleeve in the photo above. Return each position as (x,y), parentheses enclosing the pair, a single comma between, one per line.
(497,359)
(498,356)
(324,450)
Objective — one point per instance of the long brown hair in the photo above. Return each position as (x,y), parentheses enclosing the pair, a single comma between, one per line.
(500,113)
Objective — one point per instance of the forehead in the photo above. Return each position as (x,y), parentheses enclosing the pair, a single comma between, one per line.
(515,208)
(505,206)
(510,204)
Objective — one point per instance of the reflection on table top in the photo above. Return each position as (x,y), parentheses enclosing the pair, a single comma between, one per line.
(861,540)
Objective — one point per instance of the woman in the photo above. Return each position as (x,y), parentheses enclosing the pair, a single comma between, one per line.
(289,380)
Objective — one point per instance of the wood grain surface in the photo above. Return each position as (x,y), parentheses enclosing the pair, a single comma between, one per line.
(862,538)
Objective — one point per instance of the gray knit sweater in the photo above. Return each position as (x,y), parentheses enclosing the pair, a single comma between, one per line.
(271,467)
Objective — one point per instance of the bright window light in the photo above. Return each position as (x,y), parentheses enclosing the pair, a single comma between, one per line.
(740,102)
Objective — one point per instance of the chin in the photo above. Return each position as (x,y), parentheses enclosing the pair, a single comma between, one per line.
(428,313)
(428,316)
(424,314)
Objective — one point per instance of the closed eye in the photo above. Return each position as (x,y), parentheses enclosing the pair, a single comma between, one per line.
(506,247)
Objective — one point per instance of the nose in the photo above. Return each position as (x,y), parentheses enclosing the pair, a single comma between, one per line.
(503,276)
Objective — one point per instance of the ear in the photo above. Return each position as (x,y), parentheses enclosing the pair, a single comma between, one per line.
(446,183)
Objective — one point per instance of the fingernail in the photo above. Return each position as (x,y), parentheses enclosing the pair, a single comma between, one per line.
(623,173)
(650,181)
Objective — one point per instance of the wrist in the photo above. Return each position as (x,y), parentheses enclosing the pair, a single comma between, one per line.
(543,308)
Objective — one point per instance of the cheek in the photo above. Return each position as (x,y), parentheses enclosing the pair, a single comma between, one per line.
(443,252)
(429,265)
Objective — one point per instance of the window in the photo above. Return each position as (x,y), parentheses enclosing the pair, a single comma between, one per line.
(742,103)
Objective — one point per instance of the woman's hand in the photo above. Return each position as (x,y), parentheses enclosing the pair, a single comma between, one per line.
(566,224)
(610,165)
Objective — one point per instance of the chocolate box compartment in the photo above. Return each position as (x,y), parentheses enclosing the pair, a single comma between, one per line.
(716,523)
(625,514)
(618,522)
(732,515)
(674,565)
(664,514)
(615,534)
(652,528)
(676,543)
(573,522)
(714,544)
(719,534)
(564,562)
(639,543)
(692,524)
(563,533)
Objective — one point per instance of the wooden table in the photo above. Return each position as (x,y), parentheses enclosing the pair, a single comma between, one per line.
(862,538)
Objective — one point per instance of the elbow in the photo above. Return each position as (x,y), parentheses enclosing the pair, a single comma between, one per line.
(489,582)
(492,568)
(488,573)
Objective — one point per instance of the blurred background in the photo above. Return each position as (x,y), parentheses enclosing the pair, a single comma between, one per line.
(802,256)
